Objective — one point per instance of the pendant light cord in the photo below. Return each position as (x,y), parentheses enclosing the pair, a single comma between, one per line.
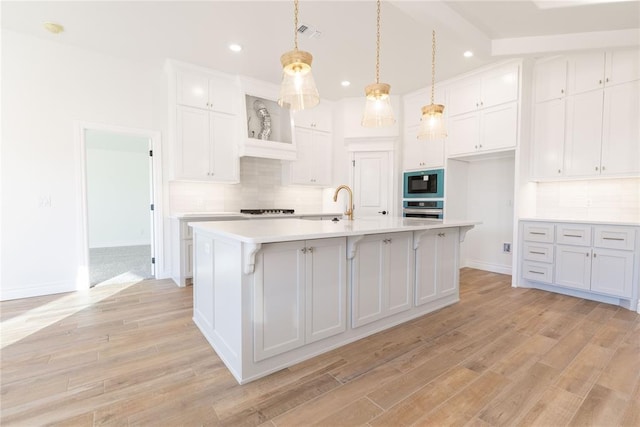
(295,24)
(378,45)
(433,66)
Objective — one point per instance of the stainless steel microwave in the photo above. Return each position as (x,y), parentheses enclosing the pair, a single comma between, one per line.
(425,184)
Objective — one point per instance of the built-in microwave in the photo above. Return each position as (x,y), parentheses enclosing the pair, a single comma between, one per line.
(428,184)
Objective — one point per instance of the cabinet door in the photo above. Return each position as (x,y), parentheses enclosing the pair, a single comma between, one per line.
(400,272)
(279,299)
(412,150)
(464,97)
(192,160)
(447,255)
(584,134)
(321,159)
(224,156)
(586,72)
(612,272)
(300,168)
(499,86)
(622,66)
(224,95)
(499,127)
(193,89)
(621,129)
(464,134)
(573,267)
(367,281)
(550,79)
(547,150)
(326,279)
(426,268)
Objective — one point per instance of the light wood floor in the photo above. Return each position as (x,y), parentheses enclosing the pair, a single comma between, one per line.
(502,356)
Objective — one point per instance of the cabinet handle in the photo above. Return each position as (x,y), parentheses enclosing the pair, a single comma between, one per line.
(587,254)
(559,171)
(310,249)
(535,272)
(602,168)
(596,168)
(561,90)
(303,250)
(477,105)
(475,146)
(538,233)
(538,253)
(594,254)
(613,238)
(600,81)
(606,80)
(572,235)
(481,103)
(480,145)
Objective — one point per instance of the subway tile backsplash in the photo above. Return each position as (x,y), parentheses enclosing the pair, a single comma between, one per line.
(597,200)
(260,187)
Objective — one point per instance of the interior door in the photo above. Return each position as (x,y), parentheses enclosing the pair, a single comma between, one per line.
(372,183)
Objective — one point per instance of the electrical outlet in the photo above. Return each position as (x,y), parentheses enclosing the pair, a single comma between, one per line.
(506,248)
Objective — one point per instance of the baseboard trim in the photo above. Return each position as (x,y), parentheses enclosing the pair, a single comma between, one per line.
(486,266)
(119,244)
(36,291)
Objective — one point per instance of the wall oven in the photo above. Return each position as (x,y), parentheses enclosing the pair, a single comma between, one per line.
(427,184)
(423,209)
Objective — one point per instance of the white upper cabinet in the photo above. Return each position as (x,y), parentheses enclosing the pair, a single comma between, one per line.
(591,71)
(548,138)
(550,79)
(314,163)
(621,130)
(421,154)
(483,112)
(490,88)
(208,91)
(316,118)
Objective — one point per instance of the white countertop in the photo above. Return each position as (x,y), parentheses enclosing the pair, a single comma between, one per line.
(585,221)
(284,230)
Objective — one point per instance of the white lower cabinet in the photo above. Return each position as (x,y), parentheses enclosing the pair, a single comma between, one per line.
(382,277)
(593,259)
(436,269)
(299,294)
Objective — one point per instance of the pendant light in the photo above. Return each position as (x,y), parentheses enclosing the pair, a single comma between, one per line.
(432,126)
(377,110)
(298,89)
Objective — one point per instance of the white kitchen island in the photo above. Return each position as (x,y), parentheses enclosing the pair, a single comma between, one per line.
(271,293)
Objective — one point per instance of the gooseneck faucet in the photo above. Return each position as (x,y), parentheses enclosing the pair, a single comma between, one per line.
(349,212)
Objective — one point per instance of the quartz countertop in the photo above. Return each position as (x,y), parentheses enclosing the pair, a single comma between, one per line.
(238,215)
(285,230)
(584,221)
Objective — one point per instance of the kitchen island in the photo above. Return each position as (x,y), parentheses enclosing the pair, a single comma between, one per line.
(271,293)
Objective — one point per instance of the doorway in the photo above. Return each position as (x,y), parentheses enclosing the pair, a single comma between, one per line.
(120,230)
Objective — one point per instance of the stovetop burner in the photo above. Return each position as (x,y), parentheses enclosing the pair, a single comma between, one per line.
(267,211)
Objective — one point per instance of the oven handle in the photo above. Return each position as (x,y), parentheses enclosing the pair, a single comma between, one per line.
(422,211)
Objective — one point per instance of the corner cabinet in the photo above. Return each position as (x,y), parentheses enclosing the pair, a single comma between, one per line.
(587,116)
(382,277)
(300,292)
(203,124)
(593,261)
(483,112)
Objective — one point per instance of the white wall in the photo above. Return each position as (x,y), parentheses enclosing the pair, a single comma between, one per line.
(118,189)
(46,87)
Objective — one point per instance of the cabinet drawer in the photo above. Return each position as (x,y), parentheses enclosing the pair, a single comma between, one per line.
(574,234)
(537,272)
(538,232)
(615,238)
(541,252)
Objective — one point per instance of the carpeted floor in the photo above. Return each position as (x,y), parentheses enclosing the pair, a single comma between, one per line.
(119,264)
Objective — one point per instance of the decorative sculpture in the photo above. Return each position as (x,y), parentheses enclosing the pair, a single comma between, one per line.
(265,119)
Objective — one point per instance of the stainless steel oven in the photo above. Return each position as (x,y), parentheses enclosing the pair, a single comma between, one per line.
(423,209)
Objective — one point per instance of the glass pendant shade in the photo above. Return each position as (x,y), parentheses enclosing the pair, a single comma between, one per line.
(432,123)
(298,88)
(377,110)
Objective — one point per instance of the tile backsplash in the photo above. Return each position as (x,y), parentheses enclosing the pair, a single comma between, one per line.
(596,200)
(260,187)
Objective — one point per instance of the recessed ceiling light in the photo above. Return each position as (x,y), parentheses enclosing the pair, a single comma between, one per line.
(468,54)
(235,47)
(345,83)
(52,27)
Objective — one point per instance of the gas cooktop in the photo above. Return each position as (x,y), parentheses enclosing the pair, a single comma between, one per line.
(267,211)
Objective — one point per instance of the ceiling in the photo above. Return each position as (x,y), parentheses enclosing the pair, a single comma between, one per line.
(344,49)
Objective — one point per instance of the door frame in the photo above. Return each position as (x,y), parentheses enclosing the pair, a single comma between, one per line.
(157,233)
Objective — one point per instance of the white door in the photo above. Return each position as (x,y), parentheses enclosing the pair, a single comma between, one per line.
(372,183)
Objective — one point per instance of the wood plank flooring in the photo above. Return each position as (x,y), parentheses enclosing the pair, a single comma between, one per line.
(130,355)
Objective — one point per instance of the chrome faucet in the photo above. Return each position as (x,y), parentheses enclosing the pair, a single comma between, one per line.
(349,212)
